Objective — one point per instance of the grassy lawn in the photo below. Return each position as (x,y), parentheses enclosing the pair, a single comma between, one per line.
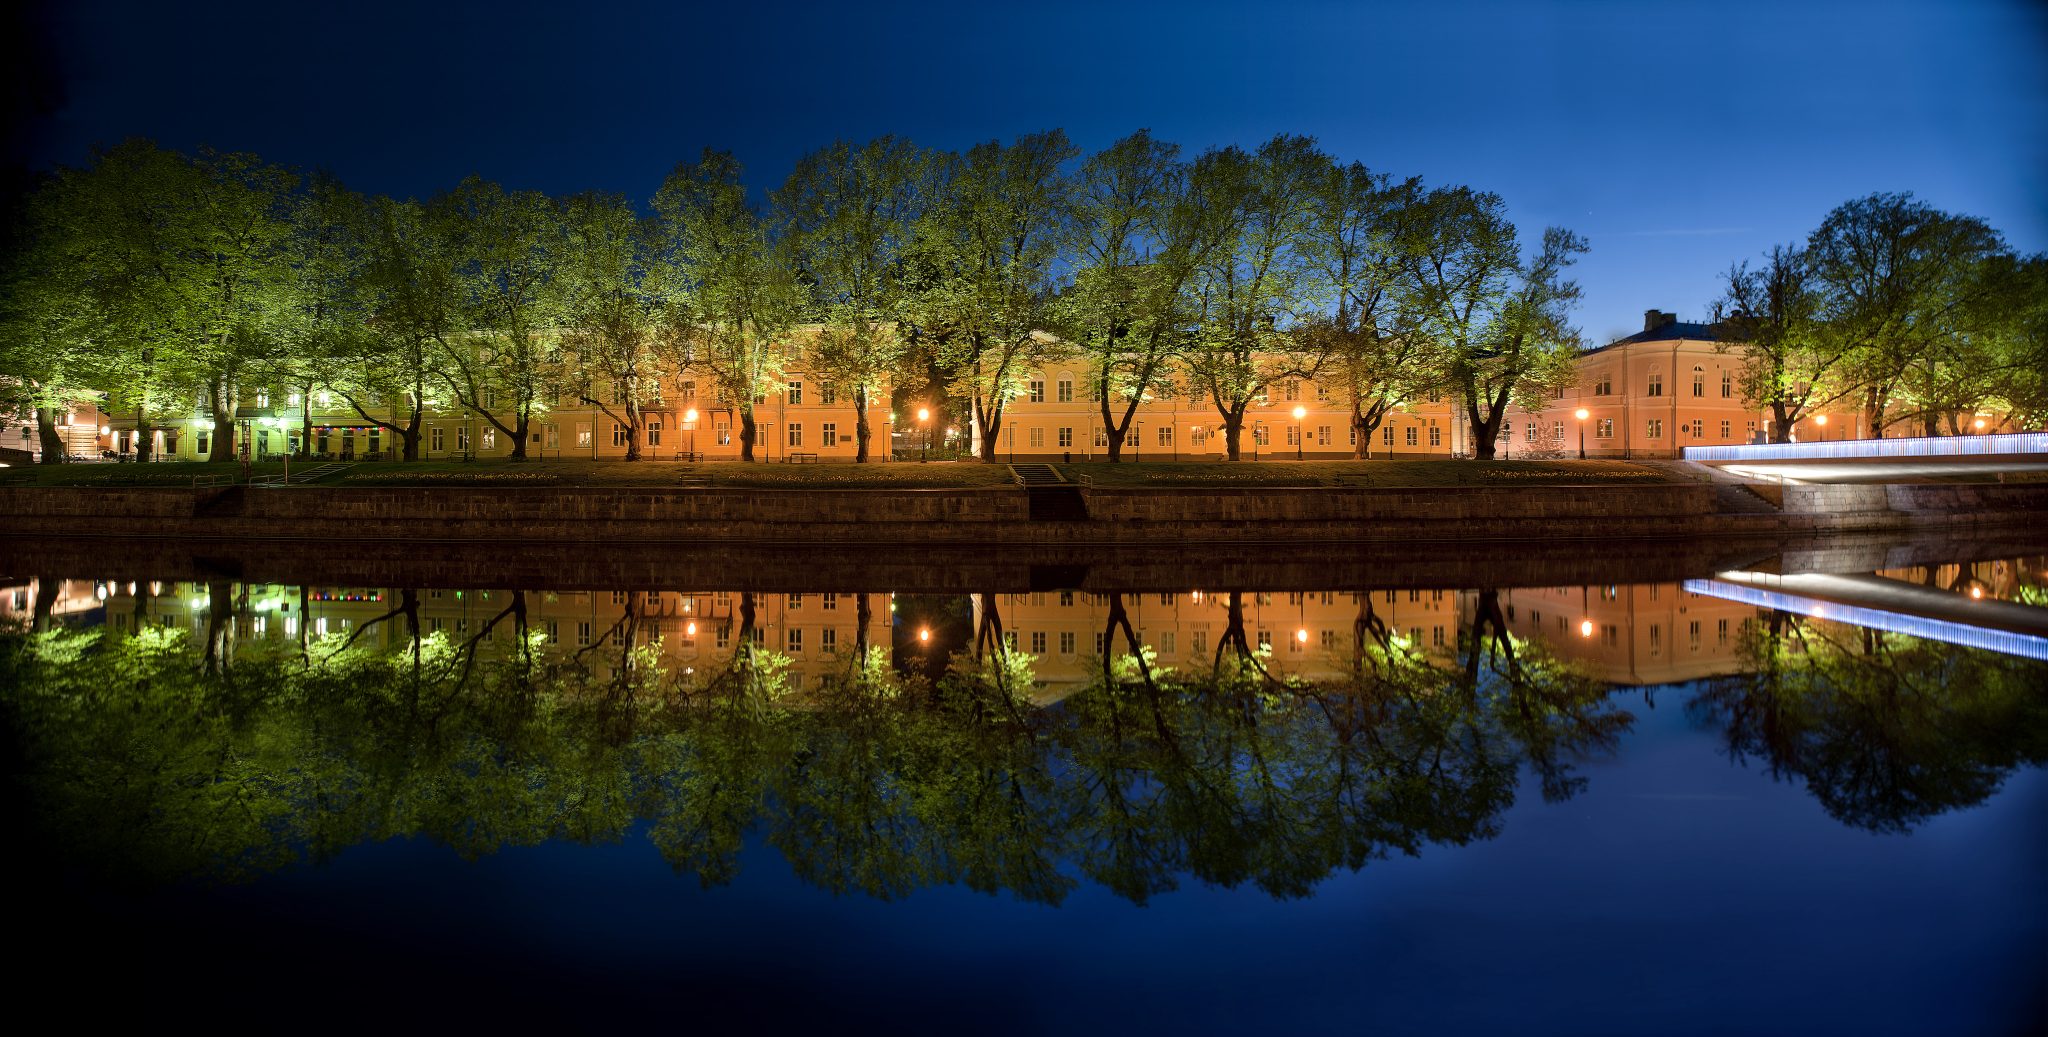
(894,475)
(1369,473)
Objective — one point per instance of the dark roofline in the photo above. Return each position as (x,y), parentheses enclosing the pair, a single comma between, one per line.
(1674,331)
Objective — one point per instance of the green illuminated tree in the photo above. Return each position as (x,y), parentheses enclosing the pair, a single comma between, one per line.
(614,309)
(1374,349)
(508,249)
(986,268)
(735,294)
(1260,286)
(848,213)
(1501,322)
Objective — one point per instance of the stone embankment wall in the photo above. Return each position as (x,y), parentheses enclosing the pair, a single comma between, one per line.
(994,515)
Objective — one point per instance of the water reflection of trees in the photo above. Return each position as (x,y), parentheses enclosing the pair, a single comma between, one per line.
(1885,730)
(155,757)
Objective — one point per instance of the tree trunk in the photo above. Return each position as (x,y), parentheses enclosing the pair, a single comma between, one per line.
(145,434)
(1233,427)
(46,433)
(1930,423)
(519,436)
(746,432)
(409,436)
(305,450)
(991,429)
(1781,429)
(219,398)
(860,426)
(633,417)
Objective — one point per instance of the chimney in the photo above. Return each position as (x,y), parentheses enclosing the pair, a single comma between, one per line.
(1654,319)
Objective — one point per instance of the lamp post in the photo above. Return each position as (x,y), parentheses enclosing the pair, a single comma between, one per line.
(1582,414)
(1822,421)
(690,429)
(924,419)
(1300,412)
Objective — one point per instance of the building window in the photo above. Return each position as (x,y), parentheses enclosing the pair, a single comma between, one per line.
(828,641)
(796,394)
(1066,389)
(583,441)
(828,396)
(1654,428)
(1529,436)
(1038,390)
(1727,384)
(654,433)
(1261,435)
(1293,434)
(1557,431)
(1101,437)
(1436,436)
(1166,435)
(435,441)
(1387,436)
(796,433)
(1066,437)
(1699,429)
(831,430)
(1656,383)
(1604,429)
(461,438)
(689,392)
(1038,642)
(1066,642)
(490,437)
(1699,381)
(554,436)
(1605,386)
(1322,435)
(205,440)
(1750,431)
(618,434)
(1410,434)
(1037,438)
(1725,429)
(1290,390)
(723,433)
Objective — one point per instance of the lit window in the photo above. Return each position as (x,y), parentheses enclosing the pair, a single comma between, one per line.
(1038,390)
(831,429)
(796,393)
(796,434)
(1066,437)
(1066,389)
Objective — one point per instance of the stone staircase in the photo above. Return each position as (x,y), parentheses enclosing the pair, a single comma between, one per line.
(1053,499)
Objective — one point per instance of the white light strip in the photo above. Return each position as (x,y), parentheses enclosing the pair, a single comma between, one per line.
(1923,446)
(2026,646)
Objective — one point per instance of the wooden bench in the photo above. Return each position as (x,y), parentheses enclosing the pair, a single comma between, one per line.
(688,455)
(799,458)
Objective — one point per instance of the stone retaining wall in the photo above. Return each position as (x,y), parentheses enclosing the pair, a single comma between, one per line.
(989,515)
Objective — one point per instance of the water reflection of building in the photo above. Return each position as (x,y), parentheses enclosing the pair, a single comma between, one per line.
(70,600)
(819,633)
(1647,633)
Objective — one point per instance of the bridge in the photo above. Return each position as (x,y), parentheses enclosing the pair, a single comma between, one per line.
(1883,603)
(1881,460)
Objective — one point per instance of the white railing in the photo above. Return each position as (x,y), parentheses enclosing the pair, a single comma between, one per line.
(1925,446)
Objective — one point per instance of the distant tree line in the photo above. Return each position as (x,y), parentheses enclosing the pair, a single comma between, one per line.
(163,279)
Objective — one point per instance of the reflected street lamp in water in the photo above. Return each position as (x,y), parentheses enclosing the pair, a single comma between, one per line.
(1299,413)
(1582,414)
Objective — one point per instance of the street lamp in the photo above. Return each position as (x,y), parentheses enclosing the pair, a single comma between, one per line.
(1980,424)
(924,418)
(1822,421)
(1582,414)
(690,427)
(1300,412)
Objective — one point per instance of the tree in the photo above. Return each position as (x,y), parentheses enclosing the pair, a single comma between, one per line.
(987,262)
(613,307)
(327,311)
(48,317)
(1788,364)
(235,272)
(1502,323)
(848,214)
(508,250)
(1371,340)
(1140,238)
(735,295)
(1256,289)
(1896,282)
(410,285)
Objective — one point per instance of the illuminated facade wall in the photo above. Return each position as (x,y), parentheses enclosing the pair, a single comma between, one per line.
(1652,633)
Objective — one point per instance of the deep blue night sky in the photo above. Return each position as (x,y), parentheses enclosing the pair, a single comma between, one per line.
(1678,136)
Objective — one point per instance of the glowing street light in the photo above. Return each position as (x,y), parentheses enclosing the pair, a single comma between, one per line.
(1582,414)
(924,635)
(1301,636)
(1300,412)
(924,418)
(1980,424)
(1585,628)
(1822,421)
(690,426)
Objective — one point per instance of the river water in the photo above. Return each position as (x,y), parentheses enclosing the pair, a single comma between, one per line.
(1802,793)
